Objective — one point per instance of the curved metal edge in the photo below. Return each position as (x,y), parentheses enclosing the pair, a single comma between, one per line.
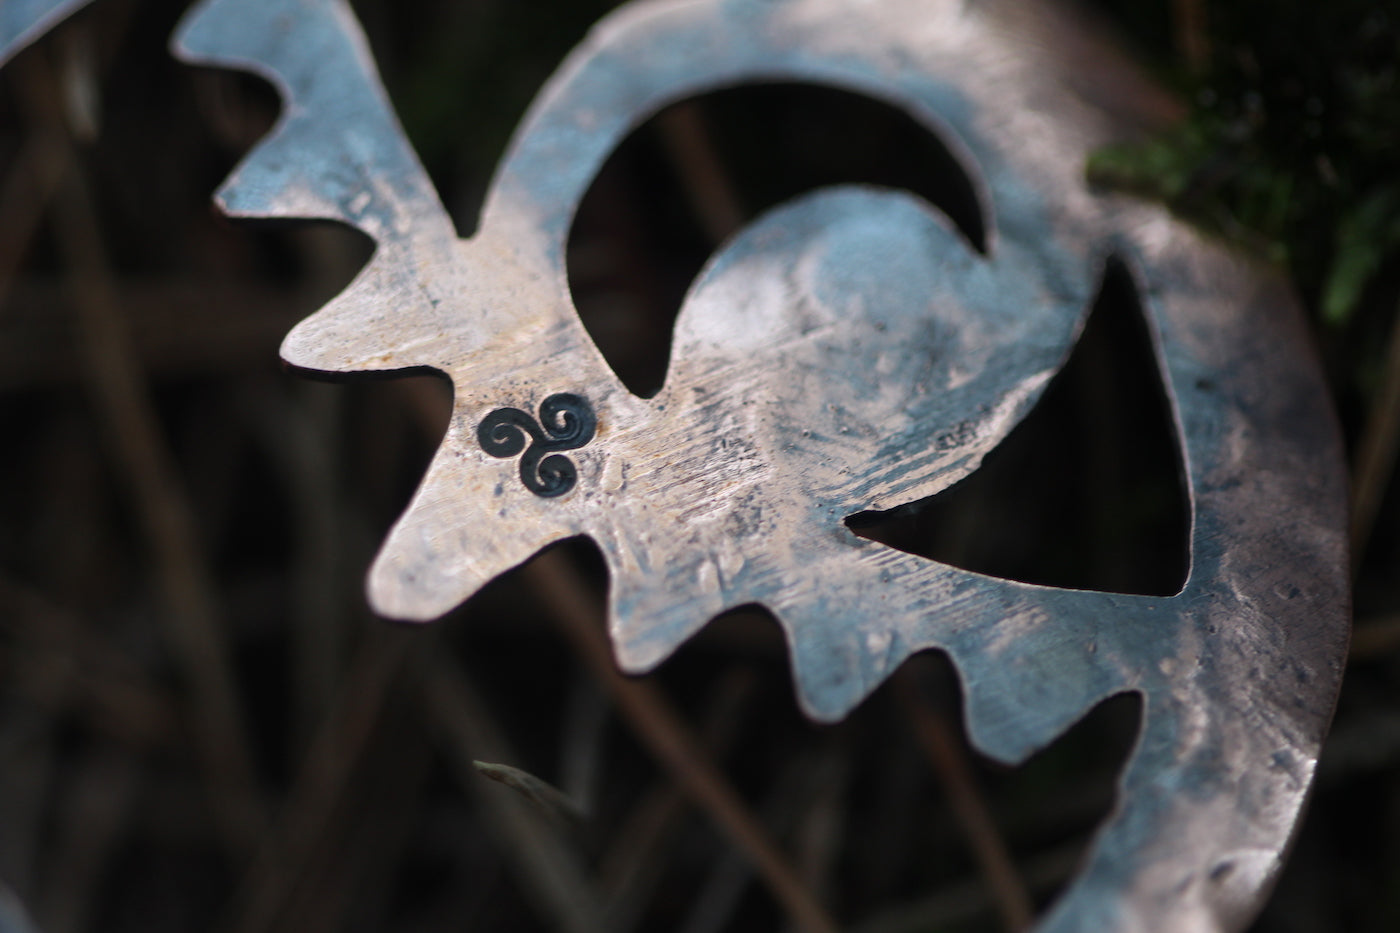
(23,21)
(1237,701)
(1212,793)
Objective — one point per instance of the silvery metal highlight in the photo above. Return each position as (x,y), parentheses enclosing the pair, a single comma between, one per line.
(848,351)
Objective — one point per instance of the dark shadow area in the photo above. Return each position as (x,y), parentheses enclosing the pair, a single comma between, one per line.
(1087,492)
(1053,836)
(699,170)
(908,848)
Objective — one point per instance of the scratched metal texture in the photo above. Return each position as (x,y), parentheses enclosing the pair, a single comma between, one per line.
(851,351)
(23,21)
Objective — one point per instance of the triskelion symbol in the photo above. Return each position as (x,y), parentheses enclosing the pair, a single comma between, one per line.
(566,422)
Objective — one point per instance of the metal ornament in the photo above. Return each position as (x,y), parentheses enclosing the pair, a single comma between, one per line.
(848,351)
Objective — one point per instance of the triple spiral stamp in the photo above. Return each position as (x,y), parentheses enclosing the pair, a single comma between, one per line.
(566,422)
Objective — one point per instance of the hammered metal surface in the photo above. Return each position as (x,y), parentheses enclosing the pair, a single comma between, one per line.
(849,351)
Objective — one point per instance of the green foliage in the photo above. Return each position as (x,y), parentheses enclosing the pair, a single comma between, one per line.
(1369,233)
(1293,142)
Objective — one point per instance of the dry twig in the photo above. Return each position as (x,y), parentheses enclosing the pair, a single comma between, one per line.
(579,614)
(940,744)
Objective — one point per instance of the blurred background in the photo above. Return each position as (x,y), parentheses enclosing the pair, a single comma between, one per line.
(203,728)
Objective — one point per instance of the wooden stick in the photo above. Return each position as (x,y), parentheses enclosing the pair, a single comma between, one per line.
(940,744)
(578,613)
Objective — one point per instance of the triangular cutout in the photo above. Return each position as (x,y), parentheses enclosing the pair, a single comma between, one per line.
(1087,492)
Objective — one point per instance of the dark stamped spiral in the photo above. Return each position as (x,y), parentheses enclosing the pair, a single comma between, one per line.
(566,422)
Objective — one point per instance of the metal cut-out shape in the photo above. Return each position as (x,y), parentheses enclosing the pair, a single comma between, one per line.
(848,351)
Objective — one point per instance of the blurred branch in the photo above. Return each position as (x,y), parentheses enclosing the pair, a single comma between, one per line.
(1192,37)
(176,326)
(945,753)
(1375,452)
(796,788)
(578,613)
(546,868)
(707,185)
(147,467)
(632,863)
(320,784)
(90,820)
(46,156)
(352,879)
(1374,638)
(115,695)
(297,432)
(28,189)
